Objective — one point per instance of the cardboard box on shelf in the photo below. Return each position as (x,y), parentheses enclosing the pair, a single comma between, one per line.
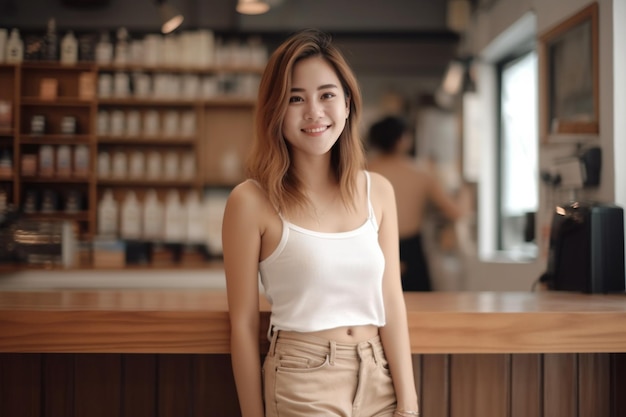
(6,115)
(49,89)
(108,253)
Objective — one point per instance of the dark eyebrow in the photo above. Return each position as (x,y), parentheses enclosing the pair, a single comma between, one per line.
(321,87)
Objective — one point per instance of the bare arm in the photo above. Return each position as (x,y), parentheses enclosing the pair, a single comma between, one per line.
(241,238)
(442,199)
(395,334)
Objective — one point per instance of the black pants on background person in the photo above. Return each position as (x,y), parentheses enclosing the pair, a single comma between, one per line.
(415,273)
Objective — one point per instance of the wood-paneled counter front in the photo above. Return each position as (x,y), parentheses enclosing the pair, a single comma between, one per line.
(148,353)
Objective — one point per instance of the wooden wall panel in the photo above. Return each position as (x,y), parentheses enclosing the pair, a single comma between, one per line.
(97,380)
(618,384)
(526,385)
(174,392)
(139,385)
(560,393)
(214,392)
(147,385)
(435,385)
(58,385)
(479,385)
(594,385)
(20,385)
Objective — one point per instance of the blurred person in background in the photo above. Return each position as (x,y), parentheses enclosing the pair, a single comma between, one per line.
(416,188)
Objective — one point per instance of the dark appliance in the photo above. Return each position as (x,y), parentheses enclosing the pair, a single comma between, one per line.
(586,248)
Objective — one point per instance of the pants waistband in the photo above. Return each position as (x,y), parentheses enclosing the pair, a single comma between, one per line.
(332,348)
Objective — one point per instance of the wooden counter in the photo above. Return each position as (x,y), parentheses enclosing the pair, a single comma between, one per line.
(196,321)
(146,353)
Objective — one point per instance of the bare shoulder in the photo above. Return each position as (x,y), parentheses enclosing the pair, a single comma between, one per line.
(245,192)
(248,199)
(381,187)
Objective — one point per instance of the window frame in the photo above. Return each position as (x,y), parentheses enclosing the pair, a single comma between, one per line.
(519,53)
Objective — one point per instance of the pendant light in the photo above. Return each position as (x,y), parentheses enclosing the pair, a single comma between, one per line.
(171,18)
(252,6)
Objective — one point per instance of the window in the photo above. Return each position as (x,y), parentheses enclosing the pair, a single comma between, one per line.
(517,155)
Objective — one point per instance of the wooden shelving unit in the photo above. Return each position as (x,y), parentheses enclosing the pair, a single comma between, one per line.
(218,140)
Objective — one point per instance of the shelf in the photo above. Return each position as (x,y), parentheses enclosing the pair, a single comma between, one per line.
(60,180)
(57,102)
(176,69)
(230,102)
(223,101)
(55,139)
(133,101)
(56,66)
(128,140)
(145,183)
(59,215)
(221,184)
(222,124)
(9,267)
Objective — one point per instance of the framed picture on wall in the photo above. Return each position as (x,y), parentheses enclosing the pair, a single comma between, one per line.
(568,79)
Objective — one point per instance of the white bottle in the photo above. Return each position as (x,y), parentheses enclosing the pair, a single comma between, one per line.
(131,217)
(69,49)
(51,43)
(46,161)
(188,166)
(107,215)
(14,48)
(171,166)
(195,218)
(81,161)
(175,218)
(104,50)
(154,168)
(104,164)
(152,217)
(64,161)
(121,47)
(3,44)
(137,164)
(119,165)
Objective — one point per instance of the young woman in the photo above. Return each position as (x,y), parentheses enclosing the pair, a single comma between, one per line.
(321,233)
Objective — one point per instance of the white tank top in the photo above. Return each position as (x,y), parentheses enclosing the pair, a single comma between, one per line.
(317,280)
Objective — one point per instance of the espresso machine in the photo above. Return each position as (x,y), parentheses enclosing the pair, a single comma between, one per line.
(586,251)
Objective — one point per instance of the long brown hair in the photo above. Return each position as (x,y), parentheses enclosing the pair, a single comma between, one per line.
(270,161)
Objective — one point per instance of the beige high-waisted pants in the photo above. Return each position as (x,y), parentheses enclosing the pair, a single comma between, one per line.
(308,376)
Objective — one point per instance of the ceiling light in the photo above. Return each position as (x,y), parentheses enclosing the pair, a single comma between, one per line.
(252,6)
(459,76)
(454,77)
(171,18)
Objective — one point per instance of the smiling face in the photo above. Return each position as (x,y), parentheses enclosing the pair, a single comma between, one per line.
(318,108)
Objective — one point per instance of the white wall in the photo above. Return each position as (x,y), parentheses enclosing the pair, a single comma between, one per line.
(489,32)
(619,99)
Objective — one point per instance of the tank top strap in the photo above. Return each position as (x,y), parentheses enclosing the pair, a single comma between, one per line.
(370,208)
